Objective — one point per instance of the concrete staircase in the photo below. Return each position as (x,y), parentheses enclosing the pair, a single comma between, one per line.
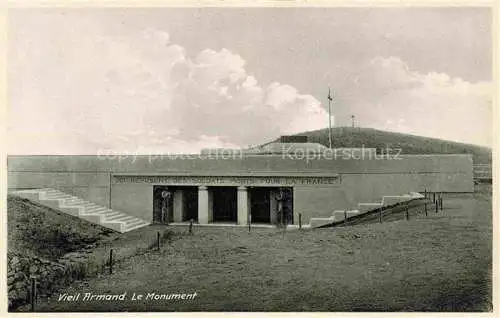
(341,215)
(75,206)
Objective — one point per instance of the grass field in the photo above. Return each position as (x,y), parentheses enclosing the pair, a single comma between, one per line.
(437,263)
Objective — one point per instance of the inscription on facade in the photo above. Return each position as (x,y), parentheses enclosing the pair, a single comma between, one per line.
(229,180)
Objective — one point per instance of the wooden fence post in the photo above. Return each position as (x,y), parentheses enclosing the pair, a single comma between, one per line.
(249,222)
(111,261)
(407,212)
(281,216)
(158,240)
(300,221)
(283,222)
(33,293)
(436,204)
(345,217)
(434,197)
(425,208)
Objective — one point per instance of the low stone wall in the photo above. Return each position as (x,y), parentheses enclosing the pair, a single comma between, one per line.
(59,250)
(50,275)
(19,270)
(17,280)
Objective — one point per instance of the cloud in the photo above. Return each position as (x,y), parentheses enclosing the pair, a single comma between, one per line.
(385,93)
(145,93)
(74,94)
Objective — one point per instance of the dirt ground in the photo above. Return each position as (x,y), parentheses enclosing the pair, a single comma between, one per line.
(441,262)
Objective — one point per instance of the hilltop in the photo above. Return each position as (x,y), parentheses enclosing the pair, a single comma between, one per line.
(358,137)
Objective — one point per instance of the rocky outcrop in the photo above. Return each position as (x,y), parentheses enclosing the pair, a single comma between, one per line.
(50,275)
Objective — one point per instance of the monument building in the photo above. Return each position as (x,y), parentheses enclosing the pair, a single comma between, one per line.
(261,185)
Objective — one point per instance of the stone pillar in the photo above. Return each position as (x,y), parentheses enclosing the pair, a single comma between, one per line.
(273,206)
(210,205)
(295,212)
(203,209)
(242,203)
(249,205)
(178,205)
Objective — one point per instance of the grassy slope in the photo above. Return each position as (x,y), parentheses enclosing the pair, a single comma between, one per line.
(410,144)
(41,231)
(442,262)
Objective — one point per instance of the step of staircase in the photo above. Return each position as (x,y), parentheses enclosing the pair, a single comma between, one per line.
(132,226)
(317,222)
(83,209)
(340,215)
(119,217)
(96,210)
(362,208)
(389,200)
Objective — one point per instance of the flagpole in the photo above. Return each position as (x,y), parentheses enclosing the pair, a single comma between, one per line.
(329,118)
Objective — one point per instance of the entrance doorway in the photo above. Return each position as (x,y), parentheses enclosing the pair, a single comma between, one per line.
(190,198)
(260,205)
(288,204)
(162,203)
(224,204)
(177,203)
(282,205)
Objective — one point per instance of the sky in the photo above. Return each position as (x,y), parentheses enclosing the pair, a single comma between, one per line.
(170,80)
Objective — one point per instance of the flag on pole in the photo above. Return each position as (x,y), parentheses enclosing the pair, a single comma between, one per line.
(330,99)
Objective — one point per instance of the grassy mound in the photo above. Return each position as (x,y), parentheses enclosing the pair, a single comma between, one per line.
(38,230)
(409,144)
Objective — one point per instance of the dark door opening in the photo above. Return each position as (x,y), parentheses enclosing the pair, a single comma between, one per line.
(283,206)
(161,201)
(288,204)
(224,204)
(260,206)
(190,204)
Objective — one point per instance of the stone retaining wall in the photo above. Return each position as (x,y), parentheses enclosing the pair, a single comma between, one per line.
(50,275)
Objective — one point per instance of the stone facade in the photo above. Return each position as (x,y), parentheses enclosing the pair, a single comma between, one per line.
(320,185)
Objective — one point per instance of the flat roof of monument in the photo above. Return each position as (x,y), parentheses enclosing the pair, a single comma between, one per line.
(279,147)
(269,148)
(246,164)
(176,155)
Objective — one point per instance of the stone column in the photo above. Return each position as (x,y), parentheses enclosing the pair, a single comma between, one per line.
(178,205)
(273,205)
(242,206)
(249,205)
(203,215)
(210,205)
